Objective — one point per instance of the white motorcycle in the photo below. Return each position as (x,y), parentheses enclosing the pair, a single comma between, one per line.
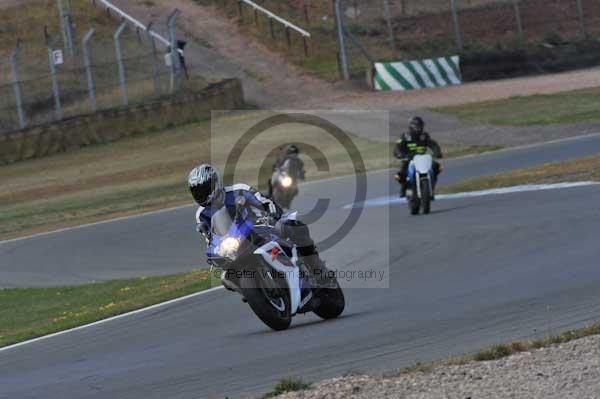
(265,269)
(419,193)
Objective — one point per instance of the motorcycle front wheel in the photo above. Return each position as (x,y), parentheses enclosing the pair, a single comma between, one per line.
(268,296)
(426,197)
(283,198)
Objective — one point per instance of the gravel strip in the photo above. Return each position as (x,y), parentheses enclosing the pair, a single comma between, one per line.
(570,370)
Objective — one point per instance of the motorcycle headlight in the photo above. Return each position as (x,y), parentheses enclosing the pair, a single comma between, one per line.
(286,181)
(228,248)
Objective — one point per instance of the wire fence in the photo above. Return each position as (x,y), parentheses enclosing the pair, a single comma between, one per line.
(385,30)
(102,69)
(287,35)
(404,29)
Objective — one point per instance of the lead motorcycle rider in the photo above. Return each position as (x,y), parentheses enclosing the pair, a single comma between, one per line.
(207,189)
(416,142)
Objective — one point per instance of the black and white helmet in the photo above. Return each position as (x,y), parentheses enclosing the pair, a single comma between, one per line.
(416,125)
(292,149)
(205,184)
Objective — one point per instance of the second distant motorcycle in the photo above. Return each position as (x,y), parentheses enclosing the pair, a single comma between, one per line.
(287,172)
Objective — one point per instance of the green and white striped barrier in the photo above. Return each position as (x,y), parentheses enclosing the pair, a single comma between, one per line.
(419,74)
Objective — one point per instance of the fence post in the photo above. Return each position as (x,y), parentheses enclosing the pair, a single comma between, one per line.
(271,28)
(88,68)
(175,62)
(581,18)
(66,26)
(518,18)
(70,33)
(341,42)
(305,10)
(152,46)
(122,81)
(388,20)
(457,31)
(288,37)
(55,88)
(15,82)
(63,28)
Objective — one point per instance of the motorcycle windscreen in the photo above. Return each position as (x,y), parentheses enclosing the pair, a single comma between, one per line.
(221,222)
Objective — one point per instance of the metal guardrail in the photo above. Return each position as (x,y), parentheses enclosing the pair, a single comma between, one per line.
(132,20)
(277,18)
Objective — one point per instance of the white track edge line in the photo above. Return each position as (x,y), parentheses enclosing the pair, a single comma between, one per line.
(522,188)
(123,315)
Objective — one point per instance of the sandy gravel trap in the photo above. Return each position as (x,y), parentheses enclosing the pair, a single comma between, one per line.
(571,370)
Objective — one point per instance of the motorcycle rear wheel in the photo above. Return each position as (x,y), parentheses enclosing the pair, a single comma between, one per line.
(331,302)
(269,299)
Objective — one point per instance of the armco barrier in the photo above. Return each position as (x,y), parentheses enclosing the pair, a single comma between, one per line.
(419,74)
(113,124)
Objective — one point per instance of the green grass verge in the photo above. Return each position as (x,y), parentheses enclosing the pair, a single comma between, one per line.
(287,385)
(582,169)
(28,313)
(569,107)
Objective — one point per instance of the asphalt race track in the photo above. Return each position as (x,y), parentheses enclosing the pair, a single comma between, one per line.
(477,271)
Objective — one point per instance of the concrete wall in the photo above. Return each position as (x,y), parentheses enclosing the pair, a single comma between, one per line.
(110,125)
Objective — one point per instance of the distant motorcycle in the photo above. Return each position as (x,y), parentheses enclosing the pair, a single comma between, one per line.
(265,269)
(285,188)
(419,193)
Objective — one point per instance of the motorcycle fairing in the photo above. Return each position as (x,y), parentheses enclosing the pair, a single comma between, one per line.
(272,253)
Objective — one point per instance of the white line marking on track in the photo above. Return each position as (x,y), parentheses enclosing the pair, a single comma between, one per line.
(383,201)
(134,312)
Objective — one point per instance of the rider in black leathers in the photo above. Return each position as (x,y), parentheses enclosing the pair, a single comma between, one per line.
(415,142)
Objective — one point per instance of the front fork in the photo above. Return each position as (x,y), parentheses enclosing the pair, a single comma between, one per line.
(416,179)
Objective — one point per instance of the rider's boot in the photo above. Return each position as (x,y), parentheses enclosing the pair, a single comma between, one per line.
(402,183)
(322,277)
(433,186)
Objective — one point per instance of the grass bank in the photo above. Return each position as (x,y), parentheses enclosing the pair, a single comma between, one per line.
(148,171)
(28,313)
(286,385)
(569,107)
(582,169)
